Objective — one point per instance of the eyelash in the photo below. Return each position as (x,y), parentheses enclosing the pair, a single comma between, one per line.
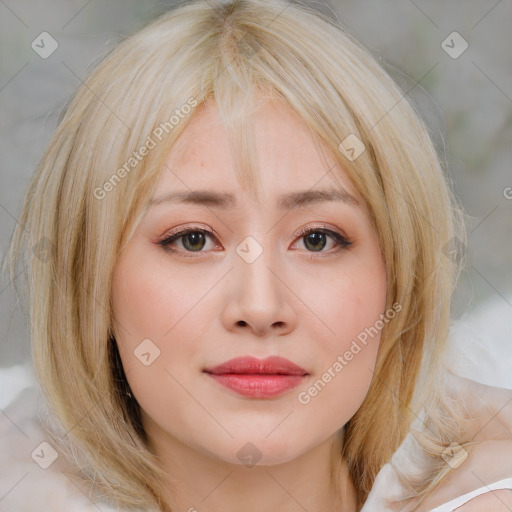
(341,241)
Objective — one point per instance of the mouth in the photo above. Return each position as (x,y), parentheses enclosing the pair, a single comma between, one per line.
(258,378)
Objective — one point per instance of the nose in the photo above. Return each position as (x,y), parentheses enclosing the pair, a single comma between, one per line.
(260,300)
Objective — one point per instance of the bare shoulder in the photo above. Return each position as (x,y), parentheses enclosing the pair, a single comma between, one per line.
(492,501)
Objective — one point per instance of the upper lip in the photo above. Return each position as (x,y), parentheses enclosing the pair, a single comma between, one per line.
(251,365)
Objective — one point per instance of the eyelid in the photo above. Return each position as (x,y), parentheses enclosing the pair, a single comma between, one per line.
(342,241)
(321,228)
(187,229)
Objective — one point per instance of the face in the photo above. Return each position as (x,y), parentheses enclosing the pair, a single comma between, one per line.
(204,282)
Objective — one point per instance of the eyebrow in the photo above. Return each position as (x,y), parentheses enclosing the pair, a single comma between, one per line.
(286,201)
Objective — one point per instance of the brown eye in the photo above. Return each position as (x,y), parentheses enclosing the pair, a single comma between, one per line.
(192,240)
(316,239)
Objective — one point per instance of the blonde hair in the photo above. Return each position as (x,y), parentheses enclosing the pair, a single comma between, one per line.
(94,182)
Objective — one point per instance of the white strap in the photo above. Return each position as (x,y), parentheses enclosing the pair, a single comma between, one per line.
(461,500)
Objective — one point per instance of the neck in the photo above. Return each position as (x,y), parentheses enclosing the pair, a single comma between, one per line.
(316,480)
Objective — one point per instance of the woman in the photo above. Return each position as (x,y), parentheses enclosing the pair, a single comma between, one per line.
(255,373)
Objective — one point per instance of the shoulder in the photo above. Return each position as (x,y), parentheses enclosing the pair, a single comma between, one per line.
(489,450)
(489,457)
(492,501)
(489,447)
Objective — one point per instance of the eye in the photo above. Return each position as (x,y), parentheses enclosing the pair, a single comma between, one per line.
(193,239)
(316,239)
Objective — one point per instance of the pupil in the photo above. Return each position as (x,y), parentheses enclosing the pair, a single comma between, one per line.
(195,239)
(316,238)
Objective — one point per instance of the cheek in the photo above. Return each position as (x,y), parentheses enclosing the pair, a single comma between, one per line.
(352,307)
(348,357)
(141,295)
(147,301)
(153,311)
(351,304)
(136,305)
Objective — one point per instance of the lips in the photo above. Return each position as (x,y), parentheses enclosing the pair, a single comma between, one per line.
(258,378)
(251,365)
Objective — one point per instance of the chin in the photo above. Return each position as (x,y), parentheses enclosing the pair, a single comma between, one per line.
(261,451)
(253,450)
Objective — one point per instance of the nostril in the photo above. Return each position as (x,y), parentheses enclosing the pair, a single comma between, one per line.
(241,323)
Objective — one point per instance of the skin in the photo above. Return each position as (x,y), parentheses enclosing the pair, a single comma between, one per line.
(203,308)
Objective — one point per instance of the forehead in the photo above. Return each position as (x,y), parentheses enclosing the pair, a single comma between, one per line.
(289,155)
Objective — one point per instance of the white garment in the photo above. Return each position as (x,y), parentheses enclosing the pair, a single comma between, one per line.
(461,500)
(25,484)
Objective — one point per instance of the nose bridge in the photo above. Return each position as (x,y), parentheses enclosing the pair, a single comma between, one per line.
(255,259)
(260,299)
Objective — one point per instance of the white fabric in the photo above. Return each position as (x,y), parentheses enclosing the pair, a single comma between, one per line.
(480,344)
(461,500)
(13,380)
(25,486)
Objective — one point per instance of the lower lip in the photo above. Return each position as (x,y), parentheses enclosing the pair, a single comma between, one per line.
(258,386)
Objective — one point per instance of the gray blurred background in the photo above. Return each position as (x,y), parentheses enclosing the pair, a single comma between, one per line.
(465,99)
